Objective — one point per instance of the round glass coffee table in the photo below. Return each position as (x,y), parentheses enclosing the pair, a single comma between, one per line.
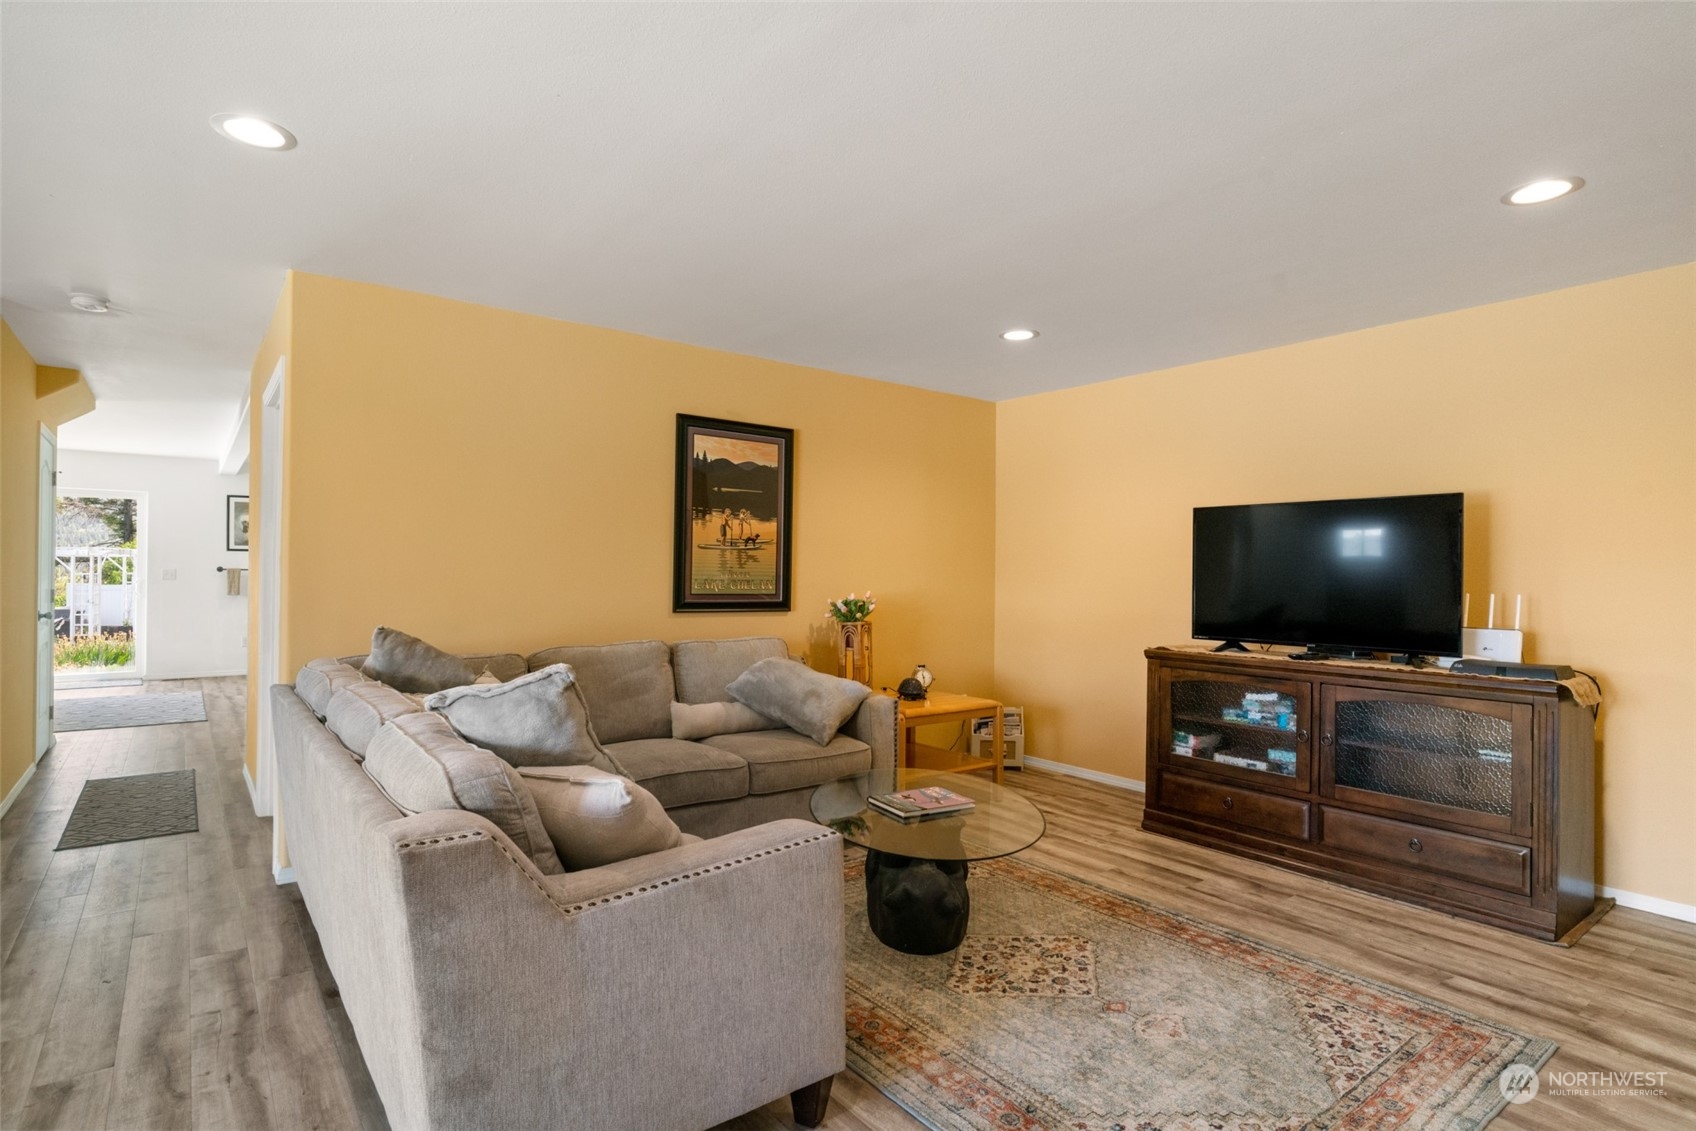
(916,897)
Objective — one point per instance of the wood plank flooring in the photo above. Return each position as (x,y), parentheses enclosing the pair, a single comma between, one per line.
(170,983)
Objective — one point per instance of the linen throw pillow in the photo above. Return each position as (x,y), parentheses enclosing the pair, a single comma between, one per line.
(407,663)
(358,711)
(703,720)
(596,818)
(807,701)
(422,765)
(538,719)
(319,680)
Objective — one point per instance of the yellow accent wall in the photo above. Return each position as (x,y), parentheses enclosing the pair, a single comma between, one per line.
(31,397)
(1569,419)
(490,480)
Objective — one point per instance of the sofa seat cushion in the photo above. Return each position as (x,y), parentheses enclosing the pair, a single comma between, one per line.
(781,760)
(358,711)
(536,720)
(596,818)
(407,663)
(705,668)
(422,765)
(682,773)
(627,686)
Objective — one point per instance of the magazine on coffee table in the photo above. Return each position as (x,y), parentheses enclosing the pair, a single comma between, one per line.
(916,804)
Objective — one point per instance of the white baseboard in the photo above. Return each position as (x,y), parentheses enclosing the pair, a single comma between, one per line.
(1653,904)
(259,808)
(197,675)
(6,805)
(282,875)
(1071,771)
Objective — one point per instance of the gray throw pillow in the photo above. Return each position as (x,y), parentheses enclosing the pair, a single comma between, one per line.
(802,699)
(422,765)
(358,711)
(703,720)
(535,720)
(407,663)
(596,818)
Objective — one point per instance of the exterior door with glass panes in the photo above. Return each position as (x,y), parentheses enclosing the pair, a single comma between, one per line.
(1246,729)
(1457,759)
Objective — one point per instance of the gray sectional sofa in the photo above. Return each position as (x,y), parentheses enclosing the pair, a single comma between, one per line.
(672,990)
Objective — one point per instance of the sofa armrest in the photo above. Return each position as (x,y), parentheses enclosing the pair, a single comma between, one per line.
(677,989)
(874,725)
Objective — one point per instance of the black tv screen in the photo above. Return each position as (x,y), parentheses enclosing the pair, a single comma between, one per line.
(1380,575)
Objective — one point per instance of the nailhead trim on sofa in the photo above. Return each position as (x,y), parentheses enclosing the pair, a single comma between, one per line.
(570,909)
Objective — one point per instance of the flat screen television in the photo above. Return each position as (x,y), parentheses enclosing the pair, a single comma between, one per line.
(1342,576)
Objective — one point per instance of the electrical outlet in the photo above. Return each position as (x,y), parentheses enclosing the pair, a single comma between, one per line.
(168,575)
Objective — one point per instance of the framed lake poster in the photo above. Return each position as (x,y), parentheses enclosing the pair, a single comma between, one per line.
(735,485)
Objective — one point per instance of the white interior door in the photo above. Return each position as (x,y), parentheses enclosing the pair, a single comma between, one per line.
(47,512)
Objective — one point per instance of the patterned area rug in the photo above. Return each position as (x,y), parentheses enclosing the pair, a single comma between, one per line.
(132,808)
(1072,1007)
(107,711)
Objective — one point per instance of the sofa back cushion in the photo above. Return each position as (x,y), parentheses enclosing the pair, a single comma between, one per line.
(319,681)
(628,687)
(596,818)
(358,711)
(536,720)
(502,665)
(706,667)
(422,765)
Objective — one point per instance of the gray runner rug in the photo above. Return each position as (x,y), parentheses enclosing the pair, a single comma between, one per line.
(108,711)
(132,808)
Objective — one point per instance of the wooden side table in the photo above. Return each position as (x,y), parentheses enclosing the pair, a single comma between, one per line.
(946,707)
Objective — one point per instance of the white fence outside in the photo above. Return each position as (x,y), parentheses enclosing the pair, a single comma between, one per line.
(93,604)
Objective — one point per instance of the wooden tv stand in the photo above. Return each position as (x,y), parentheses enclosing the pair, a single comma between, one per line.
(1473,795)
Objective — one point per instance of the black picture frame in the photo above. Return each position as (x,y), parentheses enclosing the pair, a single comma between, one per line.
(732,550)
(236,535)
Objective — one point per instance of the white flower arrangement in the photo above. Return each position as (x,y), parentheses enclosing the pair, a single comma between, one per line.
(852,608)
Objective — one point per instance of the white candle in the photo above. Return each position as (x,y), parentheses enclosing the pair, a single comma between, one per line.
(1491,623)
(1518,605)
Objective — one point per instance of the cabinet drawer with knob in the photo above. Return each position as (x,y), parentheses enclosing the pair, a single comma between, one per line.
(1488,862)
(1284,816)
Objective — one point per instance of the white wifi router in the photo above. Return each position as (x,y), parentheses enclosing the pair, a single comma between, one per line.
(1503,645)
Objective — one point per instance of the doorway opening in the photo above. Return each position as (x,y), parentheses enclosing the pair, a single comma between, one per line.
(97,583)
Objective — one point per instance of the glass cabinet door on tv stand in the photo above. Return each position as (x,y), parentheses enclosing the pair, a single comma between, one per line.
(1246,729)
(1450,758)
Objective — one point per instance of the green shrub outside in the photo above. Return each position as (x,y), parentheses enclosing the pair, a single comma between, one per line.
(108,651)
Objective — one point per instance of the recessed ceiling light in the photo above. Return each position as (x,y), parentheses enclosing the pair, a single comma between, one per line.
(1537,192)
(256,132)
(90,304)
(1018,335)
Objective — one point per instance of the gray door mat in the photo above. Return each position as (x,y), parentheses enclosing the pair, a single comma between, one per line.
(107,711)
(132,808)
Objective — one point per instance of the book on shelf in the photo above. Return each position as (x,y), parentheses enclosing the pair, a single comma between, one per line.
(912,804)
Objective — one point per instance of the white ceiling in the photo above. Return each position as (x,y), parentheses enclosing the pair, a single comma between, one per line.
(877,189)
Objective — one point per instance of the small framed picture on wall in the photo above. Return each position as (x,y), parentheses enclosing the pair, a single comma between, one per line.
(235,522)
